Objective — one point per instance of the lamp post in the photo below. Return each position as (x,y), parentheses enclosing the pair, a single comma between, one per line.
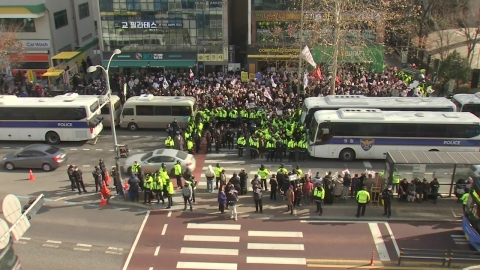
(92,69)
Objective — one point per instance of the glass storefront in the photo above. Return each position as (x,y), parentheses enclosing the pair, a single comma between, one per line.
(162,25)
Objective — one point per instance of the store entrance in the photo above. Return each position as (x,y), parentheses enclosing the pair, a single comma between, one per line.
(271,65)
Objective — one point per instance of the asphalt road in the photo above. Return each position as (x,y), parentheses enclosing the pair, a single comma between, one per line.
(194,241)
(74,236)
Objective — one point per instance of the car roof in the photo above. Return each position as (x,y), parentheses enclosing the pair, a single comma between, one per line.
(166,152)
(38,147)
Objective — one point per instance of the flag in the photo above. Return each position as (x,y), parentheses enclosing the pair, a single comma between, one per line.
(165,84)
(234,81)
(191,73)
(305,79)
(337,80)
(317,74)
(307,56)
(267,94)
(273,82)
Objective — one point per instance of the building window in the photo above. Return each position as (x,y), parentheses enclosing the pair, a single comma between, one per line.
(106,5)
(67,48)
(20,25)
(83,11)
(87,37)
(133,5)
(60,18)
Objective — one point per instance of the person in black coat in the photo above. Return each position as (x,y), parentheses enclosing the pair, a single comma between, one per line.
(328,186)
(243,176)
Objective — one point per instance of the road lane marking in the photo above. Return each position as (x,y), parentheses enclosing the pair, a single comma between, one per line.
(50,246)
(86,149)
(226,169)
(460,239)
(86,166)
(21,242)
(367,164)
(137,238)
(115,248)
(53,242)
(211,238)
(136,136)
(208,226)
(6,147)
(277,260)
(73,149)
(395,245)
(274,246)
(84,245)
(25,238)
(111,150)
(169,214)
(164,230)
(59,199)
(206,265)
(379,243)
(150,268)
(157,250)
(335,221)
(99,149)
(209,251)
(113,252)
(81,249)
(275,234)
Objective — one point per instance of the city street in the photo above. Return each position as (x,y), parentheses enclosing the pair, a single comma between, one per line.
(184,240)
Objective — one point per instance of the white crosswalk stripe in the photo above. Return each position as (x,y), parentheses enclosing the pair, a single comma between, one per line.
(460,239)
(257,242)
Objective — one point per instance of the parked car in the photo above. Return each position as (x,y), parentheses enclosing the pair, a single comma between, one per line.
(152,161)
(35,156)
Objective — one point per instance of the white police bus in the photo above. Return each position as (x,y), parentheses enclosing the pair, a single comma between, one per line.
(49,119)
(335,102)
(350,134)
(467,103)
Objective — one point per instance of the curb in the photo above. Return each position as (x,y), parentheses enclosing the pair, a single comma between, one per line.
(307,219)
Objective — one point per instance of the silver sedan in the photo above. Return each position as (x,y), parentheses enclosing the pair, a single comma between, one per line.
(35,156)
(152,161)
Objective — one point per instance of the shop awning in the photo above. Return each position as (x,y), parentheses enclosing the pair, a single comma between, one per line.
(22,11)
(145,64)
(65,55)
(53,73)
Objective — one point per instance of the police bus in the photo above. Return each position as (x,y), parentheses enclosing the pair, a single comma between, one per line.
(350,134)
(49,119)
(335,102)
(104,109)
(467,103)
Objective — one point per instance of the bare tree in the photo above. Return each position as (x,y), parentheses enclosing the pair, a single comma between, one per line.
(469,23)
(11,48)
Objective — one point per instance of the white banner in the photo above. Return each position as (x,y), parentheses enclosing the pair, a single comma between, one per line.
(307,56)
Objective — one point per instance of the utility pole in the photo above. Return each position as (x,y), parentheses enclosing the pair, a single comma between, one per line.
(299,74)
(336,40)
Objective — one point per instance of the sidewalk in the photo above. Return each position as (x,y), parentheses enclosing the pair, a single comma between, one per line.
(446,209)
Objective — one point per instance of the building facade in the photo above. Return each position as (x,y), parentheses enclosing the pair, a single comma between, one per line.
(164,35)
(274,37)
(48,28)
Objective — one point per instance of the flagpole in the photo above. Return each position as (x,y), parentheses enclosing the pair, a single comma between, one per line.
(301,42)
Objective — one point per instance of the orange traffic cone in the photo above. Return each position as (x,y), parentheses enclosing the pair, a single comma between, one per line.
(107,177)
(103,202)
(126,186)
(31,176)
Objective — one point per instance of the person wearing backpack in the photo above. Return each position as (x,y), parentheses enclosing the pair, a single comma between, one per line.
(232,197)
(257,198)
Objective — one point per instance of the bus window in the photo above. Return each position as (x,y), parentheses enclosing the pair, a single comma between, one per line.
(473,108)
(163,110)
(128,111)
(145,110)
(181,111)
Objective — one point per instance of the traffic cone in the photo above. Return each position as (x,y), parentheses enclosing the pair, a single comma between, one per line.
(107,177)
(105,190)
(372,262)
(103,202)
(31,176)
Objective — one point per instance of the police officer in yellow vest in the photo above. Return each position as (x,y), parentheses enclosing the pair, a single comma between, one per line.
(465,197)
(270,146)
(318,196)
(170,193)
(302,150)
(241,142)
(178,174)
(218,171)
(158,187)
(263,173)
(164,177)
(291,145)
(190,146)
(363,197)
(135,168)
(169,143)
(147,189)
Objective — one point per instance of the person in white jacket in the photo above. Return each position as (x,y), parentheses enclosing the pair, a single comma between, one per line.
(210,175)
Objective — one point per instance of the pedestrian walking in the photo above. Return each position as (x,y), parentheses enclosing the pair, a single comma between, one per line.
(232,198)
(79,180)
(134,183)
(273,187)
(97,177)
(387,197)
(290,198)
(170,192)
(222,199)
(257,198)
(178,173)
(187,193)
(71,177)
(307,192)
(318,196)
(210,175)
(363,197)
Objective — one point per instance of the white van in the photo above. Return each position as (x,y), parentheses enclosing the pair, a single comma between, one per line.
(148,111)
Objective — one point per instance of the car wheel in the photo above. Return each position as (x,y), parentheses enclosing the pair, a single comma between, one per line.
(132,127)
(9,166)
(52,138)
(46,167)
(347,155)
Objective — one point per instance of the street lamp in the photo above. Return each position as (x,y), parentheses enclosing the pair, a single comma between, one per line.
(92,69)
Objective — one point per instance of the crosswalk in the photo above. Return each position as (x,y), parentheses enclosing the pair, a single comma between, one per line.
(222,247)
(459,239)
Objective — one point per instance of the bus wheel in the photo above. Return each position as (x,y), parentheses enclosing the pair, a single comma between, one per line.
(52,138)
(433,150)
(132,127)
(347,155)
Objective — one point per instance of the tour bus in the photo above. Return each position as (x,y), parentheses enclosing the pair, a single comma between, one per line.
(361,133)
(104,110)
(49,119)
(471,219)
(148,111)
(467,103)
(335,102)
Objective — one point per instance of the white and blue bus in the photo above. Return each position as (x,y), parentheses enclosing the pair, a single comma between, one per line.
(350,134)
(49,119)
(467,103)
(335,102)
(104,109)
